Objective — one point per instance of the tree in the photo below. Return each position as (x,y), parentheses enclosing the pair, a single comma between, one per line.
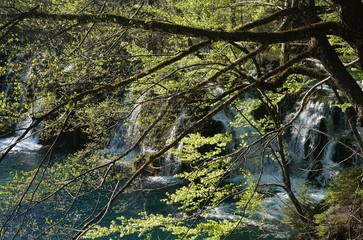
(94,63)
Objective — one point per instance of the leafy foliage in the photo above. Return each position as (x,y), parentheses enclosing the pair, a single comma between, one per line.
(343,213)
(205,191)
(158,73)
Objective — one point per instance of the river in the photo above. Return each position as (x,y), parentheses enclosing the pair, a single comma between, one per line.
(25,159)
(266,224)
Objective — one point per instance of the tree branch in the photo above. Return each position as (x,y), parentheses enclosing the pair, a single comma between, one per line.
(158,154)
(111,87)
(17,18)
(308,31)
(274,17)
(280,79)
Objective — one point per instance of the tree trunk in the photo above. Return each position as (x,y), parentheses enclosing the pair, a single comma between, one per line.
(340,76)
(352,31)
(351,18)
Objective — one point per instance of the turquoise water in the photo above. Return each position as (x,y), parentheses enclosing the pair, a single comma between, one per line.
(137,201)
(19,161)
(150,202)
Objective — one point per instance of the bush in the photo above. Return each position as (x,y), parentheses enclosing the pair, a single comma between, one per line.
(343,218)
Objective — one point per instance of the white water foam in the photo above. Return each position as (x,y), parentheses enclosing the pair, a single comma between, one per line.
(159,181)
(29,143)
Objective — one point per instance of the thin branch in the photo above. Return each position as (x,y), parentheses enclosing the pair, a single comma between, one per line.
(33,179)
(17,18)
(158,154)
(291,62)
(112,87)
(273,17)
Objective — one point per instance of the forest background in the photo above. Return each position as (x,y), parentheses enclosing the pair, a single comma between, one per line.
(158,75)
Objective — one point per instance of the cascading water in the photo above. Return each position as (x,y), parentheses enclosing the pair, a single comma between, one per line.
(306,145)
(119,141)
(172,163)
(313,144)
(29,143)
(315,152)
(123,134)
(309,119)
(24,156)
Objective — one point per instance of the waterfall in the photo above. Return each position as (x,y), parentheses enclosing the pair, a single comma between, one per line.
(5,85)
(313,145)
(29,143)
(316,153)
(329,169)
(123,134)
(172,163)
(124,131)
(117,141)
(22,78)
(303,139)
